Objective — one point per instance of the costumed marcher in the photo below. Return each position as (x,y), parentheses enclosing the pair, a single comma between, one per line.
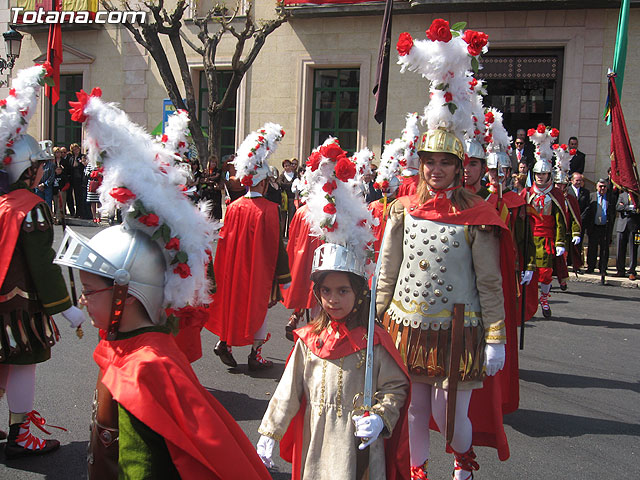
(549,226)
(444,251)
(362,160)
(251,235)
(573,218)
(32,289)
(475,140)
(513,209)
(299,296)
(162,422)
(409,163)
(287,206)
(312,410)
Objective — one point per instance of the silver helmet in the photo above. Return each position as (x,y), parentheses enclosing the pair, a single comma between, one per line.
(27,152)
(499,160)
(474,149)
(127,256)
(331,257)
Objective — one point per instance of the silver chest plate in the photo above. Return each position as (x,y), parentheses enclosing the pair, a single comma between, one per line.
(436,273)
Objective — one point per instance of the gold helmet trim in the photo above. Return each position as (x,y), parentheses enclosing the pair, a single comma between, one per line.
(441,141)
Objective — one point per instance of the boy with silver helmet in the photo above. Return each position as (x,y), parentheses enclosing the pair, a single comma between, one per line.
(313,410)
(31,287)
(135,277)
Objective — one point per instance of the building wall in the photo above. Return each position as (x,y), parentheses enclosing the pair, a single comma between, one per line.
(277,87)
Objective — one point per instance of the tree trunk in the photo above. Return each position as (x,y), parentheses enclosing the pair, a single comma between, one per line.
(215,132)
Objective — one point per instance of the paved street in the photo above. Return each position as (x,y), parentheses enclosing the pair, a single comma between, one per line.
(579,391)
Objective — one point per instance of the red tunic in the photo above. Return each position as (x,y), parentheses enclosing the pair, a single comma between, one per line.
(244,269)
(14,207)
(396,447)
(409,186)
(300,251)
(150,377)
(499,394)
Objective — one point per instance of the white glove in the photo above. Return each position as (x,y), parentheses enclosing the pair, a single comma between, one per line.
(576,240)
(526,277)
(494,358)
(74,316)
(368,427)
(265,450)
(285,286)
(559,251)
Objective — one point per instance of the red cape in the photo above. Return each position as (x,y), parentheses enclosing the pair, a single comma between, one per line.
(396,447)
(499,394)
(409,186)
(244,269)
(300,251)
(14,207)
(150,377)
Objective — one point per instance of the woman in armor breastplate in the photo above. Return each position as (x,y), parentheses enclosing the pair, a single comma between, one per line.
(441,248)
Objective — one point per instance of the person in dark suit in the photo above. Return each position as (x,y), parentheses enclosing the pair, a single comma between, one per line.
(601,213)
(522,151)
(577,161)
(626,227)
(583,195)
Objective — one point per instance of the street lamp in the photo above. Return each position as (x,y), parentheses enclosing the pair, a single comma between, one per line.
(13,42)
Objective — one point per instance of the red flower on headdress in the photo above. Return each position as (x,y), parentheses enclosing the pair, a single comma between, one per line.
(122,194)
(331,151)
(181,145)
(77,108)
(573,151)
(488,117)
(329,208)
(7,160)
(476,41)
(448,97)
(247,180)
(405,44)
(384,185)
(333,227)
(473,84)
(12,92)
(150,220)
(314,161)
(3,102)
(183,270)
(555,133)
(164,138)
(376,186)
(541,128)
(329,187)
(173,244)
(531,132)
(402,162)
(555,146)
(47,68)
(345,169)
(282,133)
(10,143)
(439,31)
(564,146)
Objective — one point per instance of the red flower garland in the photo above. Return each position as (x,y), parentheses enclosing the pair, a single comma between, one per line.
(122,194)
(345,169)
(183,270)
(150,220)
(439,31)
(329,208)
(173,244)
(476,41)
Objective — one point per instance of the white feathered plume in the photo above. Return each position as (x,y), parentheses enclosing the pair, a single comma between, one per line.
(498,139)
(410,161)
(476,92)
(542,137)
(17,109)
(175,138)
(389,167)
(142,186)
(444,59)
(335,212)
(562,164)
(251,158)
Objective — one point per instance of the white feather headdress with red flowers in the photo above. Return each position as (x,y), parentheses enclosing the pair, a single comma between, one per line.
(477,92)
(135,181)
(334,211)
(410,161)
(176,136)
(251,158)
(444,59)
(542,137)
(497,137)
(562,164)
(17,109)
(362,160)
(389,167)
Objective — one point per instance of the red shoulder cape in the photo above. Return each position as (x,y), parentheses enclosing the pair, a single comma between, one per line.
(244,269)
(14,207)
(396,447)
(499,394)
(150,377)
(511,199)
(409,186)
(300,251)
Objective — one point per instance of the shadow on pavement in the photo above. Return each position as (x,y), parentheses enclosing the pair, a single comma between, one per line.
(564,380)
(535,423)
(69,461)
(603,296)
(594,322)
(241,406)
